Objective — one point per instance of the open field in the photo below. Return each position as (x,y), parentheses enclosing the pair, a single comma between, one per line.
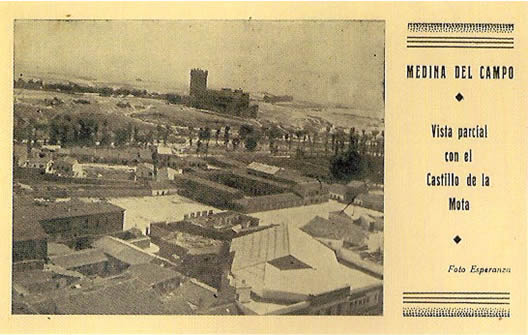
(147,113)
(299,116)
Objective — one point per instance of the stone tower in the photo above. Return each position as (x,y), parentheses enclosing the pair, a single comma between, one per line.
(198,82)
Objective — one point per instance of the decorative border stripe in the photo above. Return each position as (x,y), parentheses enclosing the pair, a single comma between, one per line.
(440,304)
(446,27)
(457,312)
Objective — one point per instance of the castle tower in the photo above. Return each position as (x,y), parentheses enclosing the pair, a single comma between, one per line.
(198,82)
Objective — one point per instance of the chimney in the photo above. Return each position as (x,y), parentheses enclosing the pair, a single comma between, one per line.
(243,292)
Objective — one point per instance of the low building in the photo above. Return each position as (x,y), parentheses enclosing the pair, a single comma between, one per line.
(268,202)
(167,174)
(356,187)
(283,270)
(122,254)
(221,226)
(340,217)
(20,155)
(196,256)
(347,193)
(156,277)
(338,192)
(206,191)
(42,164)
(206,300)
(263,170)
(162,188)
(312,192)
(375,242)
(38,281)
(371,200)
(75,222)
(89,262)
(68,167)
(163,154)
(56,249)
(30,241)
(250,184)
(145,171)
(111,297)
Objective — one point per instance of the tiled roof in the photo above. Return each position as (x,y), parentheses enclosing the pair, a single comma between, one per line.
(356,183)
(152,274)
(79,258)
(338,188)
(55,249)
(197,293)
(123,298)
(279,197)
(206,182)
(123,251)
(73,208)
(32,276)
(26,226)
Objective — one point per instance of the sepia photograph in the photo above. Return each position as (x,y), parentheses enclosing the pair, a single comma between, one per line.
(198,167)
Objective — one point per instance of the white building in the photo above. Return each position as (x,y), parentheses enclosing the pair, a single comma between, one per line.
(289,272)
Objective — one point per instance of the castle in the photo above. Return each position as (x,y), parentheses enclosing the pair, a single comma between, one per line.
(226,101)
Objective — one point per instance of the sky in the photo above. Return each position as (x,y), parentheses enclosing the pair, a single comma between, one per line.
(319,61)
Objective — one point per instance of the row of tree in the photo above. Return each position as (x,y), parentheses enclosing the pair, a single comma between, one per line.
(335,142)
(71,87)
(351,165)
(86,131)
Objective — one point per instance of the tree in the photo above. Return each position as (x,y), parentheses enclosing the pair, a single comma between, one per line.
(130,132)
(54,132)
(245,130)
(166,133)
(299,133)
(217,135)
(347,166)
(327,134)
(311,133)
(150,137)
(135,135)
(250,143)
(155,161)
(191,134)
(105,137)
(159,133)
(273,133)
(226,135)
(205,135)
(121,136)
